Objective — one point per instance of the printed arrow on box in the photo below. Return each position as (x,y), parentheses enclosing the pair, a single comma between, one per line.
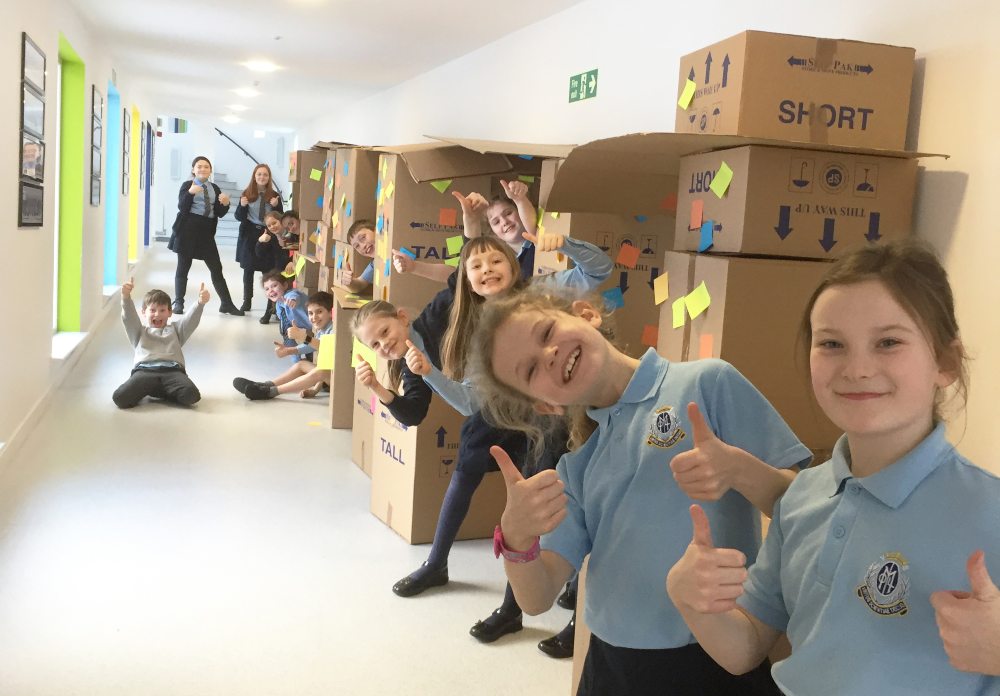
(441,432)
(784,219)
(873,222)
(828,241)
(725,70)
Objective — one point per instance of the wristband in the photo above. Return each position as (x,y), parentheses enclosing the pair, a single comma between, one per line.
(514,556)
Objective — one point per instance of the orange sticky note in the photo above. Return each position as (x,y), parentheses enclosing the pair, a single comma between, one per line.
(448,217)
(649,335)
(697,213)
(661,290)
(706,346)
(669,203)
(628,255)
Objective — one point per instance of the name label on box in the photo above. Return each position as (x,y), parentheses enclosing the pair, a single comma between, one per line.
(833,116)
(390,449)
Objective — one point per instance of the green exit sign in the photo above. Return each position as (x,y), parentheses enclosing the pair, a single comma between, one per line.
(583,86)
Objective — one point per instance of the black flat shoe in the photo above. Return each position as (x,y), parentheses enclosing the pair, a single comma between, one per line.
(410,586)
(241,384)
(496,625)
(245,307)
(177,308)
(266,319)
(231,309)
(567,600)
(560,645)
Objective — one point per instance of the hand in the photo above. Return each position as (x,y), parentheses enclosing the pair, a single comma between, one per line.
(274,201)
(224,198)
(969,622)
(346,276)
(264,238)
(472,204)
(706,471)
(535,506)
(364,373)
(547,242)
(706,579)
(244,201)
(402,262)
(297,334)
(416,360)
(195,189)
(291,303)
(128,287)
(203,296)
(283,351)
(515,190)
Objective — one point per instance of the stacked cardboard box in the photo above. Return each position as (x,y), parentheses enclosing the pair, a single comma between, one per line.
(342,379)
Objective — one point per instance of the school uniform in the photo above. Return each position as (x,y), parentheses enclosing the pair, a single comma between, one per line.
(849,565)
(251,217)
(626,510)
(193,237)
(288,317)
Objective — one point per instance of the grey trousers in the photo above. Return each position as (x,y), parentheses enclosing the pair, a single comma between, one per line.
(170,384)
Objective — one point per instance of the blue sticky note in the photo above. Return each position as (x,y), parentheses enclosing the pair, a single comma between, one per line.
(345,167)
(348,211)
(641,218)
(705,243)
(378,190)
(379,223)
(340,261)
(614,297)
(527,157)
(388,265)
(409,253)
(319,201)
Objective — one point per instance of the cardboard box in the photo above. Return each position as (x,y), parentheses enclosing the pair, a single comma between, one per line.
(303,164)
(326,278)
(308,277)
(799,88)
(792,202)
(342,378)
(326,246)
(354,189)
(347,257)
(752,323)
(307,199)
(411,470)
(329,174)
(362,427)
(310,232)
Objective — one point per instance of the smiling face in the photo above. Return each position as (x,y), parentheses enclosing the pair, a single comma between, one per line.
(291,224)
(274,290)
(156,315)
(873,370)
(386,335)
(319,316)
(489,272)
(273,225)
(364,242)
(505,222)
(201,170)
(261,176)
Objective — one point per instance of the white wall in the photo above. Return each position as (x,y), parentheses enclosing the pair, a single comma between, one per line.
(516,89)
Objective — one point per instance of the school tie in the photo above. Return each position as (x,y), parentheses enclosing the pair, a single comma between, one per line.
(260,210)
(208,203)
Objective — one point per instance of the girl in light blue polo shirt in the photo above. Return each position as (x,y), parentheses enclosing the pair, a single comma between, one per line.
(874,563)
(647,436)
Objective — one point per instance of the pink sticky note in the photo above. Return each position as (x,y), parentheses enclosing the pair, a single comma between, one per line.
(448,217)
(706,345)
(628,255)
(373,403)
(697,214)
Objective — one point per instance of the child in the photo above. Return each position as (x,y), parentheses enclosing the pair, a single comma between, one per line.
(270,250)
(543,352)
(290,306)
(509,217)
(159,364)
(302,377)
(865,562)
(290,221)
(257,200)
(201,203)
(361,236)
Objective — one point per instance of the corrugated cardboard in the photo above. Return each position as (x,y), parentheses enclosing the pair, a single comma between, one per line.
(797,202)
(752,323)
(518,150)
(799,88)
(433,161)
(411,470)
(307,199)
(349,258)
(342,378)
(329,177)
(362,427)
(354,192)
(326,279)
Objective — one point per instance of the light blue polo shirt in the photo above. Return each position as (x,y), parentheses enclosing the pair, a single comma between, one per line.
(625,508)
(849,565)
(368,275)
(198,201)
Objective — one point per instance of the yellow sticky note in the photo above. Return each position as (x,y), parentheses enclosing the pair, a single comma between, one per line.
(721,180)
(378,278)
(389,190)
(685,101)
(660,289)
(381,247)
(343,200)
(316,174)
(359,348)
(698,300)
(385,165)
(335,220)
(555,216)
(314,238)
(324,360)
(381,196)
(678,308)
(300,263)
(541,230)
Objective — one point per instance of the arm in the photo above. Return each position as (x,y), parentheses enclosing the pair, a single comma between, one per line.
(131,321)
(360,284)
(517,191)
(473,207)
(220,208)
(592,266)
(410,408)
(459,395)
(403,263)
(242,210)
(185,198)
(186,325)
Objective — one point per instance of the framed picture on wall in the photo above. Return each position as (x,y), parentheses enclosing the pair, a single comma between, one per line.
(32,112)
(96,143)
(32,157)
(30,205)
(32,64)
(95,161)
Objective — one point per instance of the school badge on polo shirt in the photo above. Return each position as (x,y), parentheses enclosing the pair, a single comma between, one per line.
(665,428)
(887,585)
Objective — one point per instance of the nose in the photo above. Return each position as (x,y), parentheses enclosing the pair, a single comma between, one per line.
(859,365)
(550,355)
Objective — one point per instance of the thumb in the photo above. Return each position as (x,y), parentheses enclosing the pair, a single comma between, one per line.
(979,578)
(202,289)
(511,474)
(409,344)
(460,198)
(699,428)
(702,535)
(530,236)
(396,253)
(506,186)
(347,264)
(131,280)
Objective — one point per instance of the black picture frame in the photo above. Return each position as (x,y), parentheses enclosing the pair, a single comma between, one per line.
(32,64)
(30,205)
(32,157)
(32,112)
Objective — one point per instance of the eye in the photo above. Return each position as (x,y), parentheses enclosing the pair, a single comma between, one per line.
(889,343)
(548,331)
(829,344)
(531,371)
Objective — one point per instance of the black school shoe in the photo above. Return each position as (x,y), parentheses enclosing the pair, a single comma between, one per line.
(230,308)
(177,307)
(560,645)
(567,600)
(255,391)
(497,624)
(241,384)
(411,586)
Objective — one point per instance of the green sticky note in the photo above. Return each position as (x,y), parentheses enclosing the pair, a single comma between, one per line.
(455,245)
(721,180)
(365,353)
(442,185)
(324,361)
(698,300)
(687,94)
(300,263)
(316,174)
(678,308)
(453,262)
(526,179)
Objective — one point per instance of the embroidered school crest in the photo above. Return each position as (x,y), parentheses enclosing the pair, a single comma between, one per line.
(887,585)
(665,428)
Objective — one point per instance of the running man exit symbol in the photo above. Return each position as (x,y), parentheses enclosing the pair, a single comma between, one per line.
(583,86)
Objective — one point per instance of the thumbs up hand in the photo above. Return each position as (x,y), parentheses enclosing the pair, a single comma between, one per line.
(706,579)
(471,204)
(514,189)
(548,242)
(706,471)
(128,287)
(416,360)
(535,506)
(203,296)
(969,622)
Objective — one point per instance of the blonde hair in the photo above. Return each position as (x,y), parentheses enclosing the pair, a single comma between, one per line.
(374,310)
(508,408)
(465,309)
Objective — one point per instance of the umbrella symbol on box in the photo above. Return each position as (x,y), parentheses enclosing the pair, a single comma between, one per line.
(864,185)
(802,182)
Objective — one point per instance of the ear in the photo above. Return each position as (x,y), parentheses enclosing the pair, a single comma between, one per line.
(547,409)
(950,364)
(403,316)
(588,312)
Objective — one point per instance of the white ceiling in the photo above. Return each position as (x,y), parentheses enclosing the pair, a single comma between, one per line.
(186,55)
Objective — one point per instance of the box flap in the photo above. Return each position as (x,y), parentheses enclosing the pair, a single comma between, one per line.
(348,300)
(331,145)
(434,161)
(507,148)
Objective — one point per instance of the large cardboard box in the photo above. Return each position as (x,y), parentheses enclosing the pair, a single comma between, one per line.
(303,165)
(310,232)
(363,427)
(411,470)
(308,277)
(326,246)
(799,88)
(751,322)
(354,190)
(342,378)
(346,257)
(792,202)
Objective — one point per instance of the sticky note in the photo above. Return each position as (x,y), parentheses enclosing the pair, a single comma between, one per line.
(442,185)
(669,203)
(385,166)
(366,353)
(409,253)
(345,168)
(381,197)
(452,262)
(698,300)
(340,261)
(554,216)
(319,201)
(527,157)
(614,297)
(455,245)
(378,279)
(697,214)
(380,248)
(526,179)
(390,189)
(379,223)
(287,274)
(448,217)
(324,360)
(372,406)
(678,310)
(314,238)
(300,263)
(388,265)
(641,218)
(661,290)
(335,220)
(705,346)
(347,212)
(316,174)
(721,180)
(378,191)
(628,255)
(705,241)
(329,184)
(650,334)
(687,94)
(313,424)
(343,200)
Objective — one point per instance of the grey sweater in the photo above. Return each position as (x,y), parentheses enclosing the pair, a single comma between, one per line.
(159,345)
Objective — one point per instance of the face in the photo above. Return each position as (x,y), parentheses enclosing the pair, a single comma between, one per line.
(156,315)
(505,222)
(261,177)
(386,335)
(202,169)
(873,371)
(274,290)
(319,316)
(291,224)
(489,273)
(364,242)
(273,225)
(551,356)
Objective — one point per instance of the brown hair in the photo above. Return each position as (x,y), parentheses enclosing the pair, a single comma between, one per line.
(321,298)
(373,310)
(273,214)
(251,190)
(357,227)
(911,272)
(155,297)
(465,308)
(275,275)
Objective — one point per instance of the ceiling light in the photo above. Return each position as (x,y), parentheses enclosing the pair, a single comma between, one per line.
(237,107)
(258,134)
(262,66)
(247,92)
(230,118)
